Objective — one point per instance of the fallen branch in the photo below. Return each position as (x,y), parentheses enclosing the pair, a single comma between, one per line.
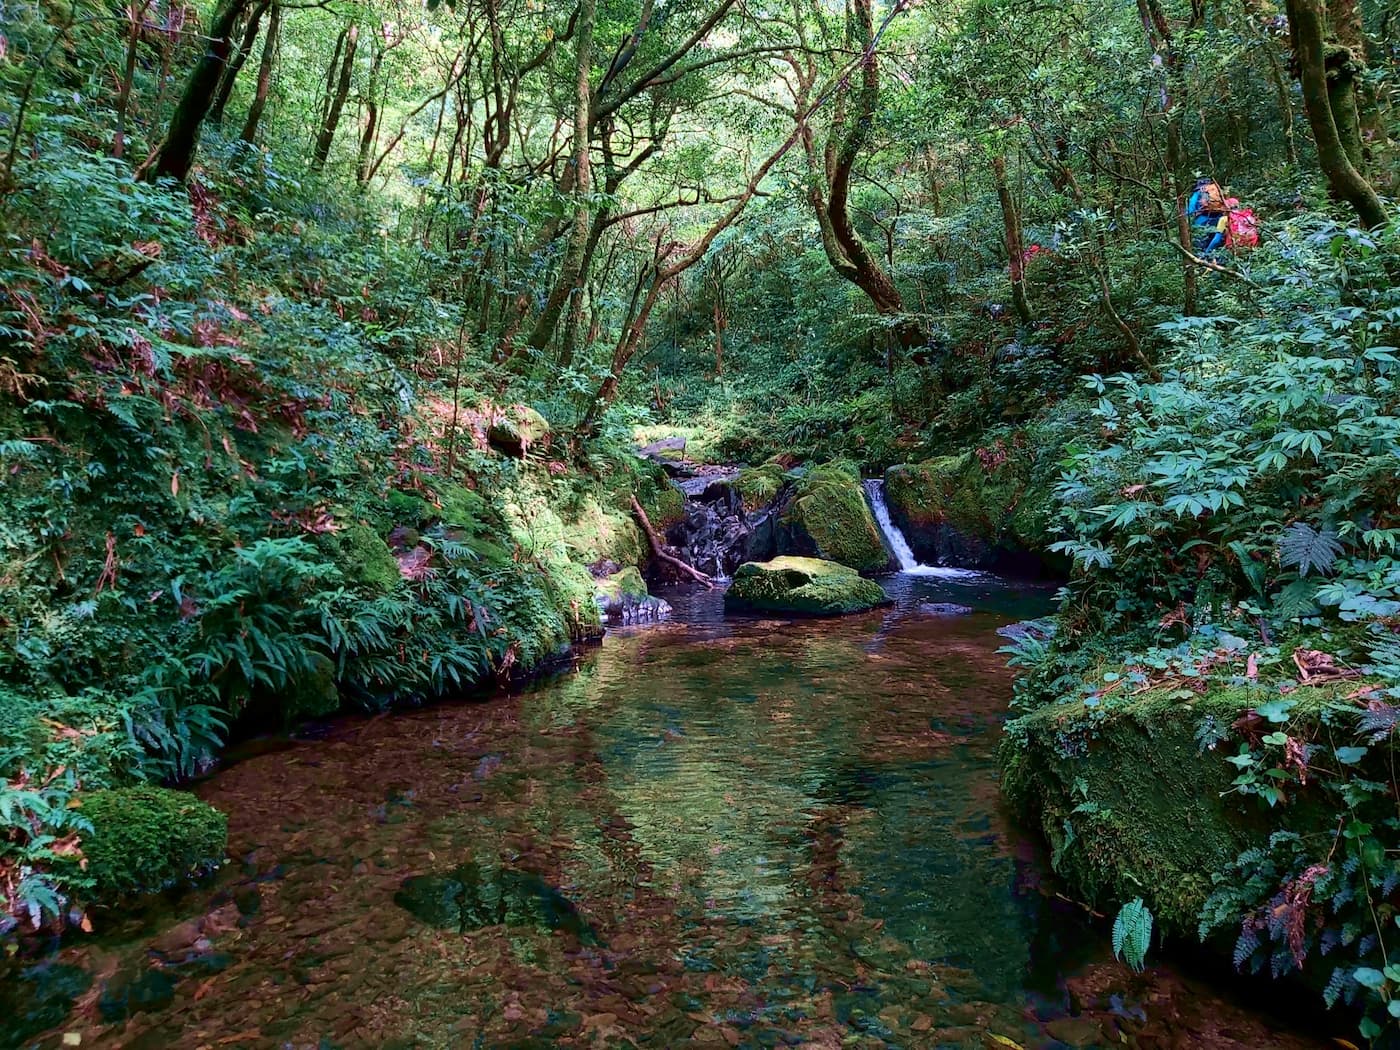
(659,549)
(1212,265)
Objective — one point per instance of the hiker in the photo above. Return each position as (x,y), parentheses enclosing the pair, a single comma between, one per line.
(1209,215)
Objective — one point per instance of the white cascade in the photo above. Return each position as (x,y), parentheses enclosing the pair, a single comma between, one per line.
(903,554)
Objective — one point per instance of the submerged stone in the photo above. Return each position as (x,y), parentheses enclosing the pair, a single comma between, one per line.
(470,896)
(803,585)
(38,999)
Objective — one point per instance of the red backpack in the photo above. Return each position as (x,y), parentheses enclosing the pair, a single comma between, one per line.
(1242,229)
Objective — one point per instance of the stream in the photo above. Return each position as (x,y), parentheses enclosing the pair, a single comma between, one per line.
(712,832)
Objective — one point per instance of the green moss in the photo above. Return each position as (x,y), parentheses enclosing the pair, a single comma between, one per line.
(1130,803)
(516,430)
(462,508)
(621,586)
(993,499)
(408,508)
(145,839)
(363,557)
(830,508)
(759,486)
(313,693)
(802,585)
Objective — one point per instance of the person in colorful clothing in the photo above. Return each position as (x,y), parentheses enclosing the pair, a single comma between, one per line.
(1209,215)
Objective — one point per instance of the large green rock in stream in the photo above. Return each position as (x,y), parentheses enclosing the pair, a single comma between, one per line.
(802,585)
(828,517)
(1135,795)
(980,508)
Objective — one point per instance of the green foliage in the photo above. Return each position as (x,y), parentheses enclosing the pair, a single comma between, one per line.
(1132,933)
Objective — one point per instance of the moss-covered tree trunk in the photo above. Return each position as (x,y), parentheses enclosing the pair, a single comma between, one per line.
(1305,27)
(236,62)
(1015,245)
(572,270)
(829,184)
(176,154)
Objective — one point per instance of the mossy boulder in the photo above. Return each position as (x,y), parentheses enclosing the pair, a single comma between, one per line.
(829,517)
(809,586)
(145,839)
(364,557)
(760,486)
(974,509)
(515,430)
(1131,803)
(623,597)
(313,693)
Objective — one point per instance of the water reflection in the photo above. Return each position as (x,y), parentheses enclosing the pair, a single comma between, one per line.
(734,833)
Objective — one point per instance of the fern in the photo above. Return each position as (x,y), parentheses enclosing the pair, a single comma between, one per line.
(1303,546)
(1132,933)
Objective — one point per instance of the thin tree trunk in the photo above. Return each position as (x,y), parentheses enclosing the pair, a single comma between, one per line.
(1015,246)
(367,136)
(1306,33)
(235,64)
(571,271)
(269,59)
(336,101)
(1159,38)
(176,154)
(137,15)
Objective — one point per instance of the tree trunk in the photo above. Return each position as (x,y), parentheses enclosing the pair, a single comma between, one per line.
(336,100)
(367,136)
(1309,51)
(571,270)
(176,154)
(235,64)
(830,184)
(136,13)
(1015,247)
(269,58)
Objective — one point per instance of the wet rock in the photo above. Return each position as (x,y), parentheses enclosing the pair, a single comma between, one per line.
(179,939)
(1076,1031)
(623,598)
(471,896)
(808,586)
(39,998)
(128,995)
(944,609)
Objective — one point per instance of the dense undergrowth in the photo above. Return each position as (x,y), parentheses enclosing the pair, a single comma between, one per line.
(1223,660)
(242,490)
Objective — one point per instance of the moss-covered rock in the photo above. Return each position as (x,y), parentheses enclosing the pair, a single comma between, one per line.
(623,597)
(146,839)
(759,486)
(971,509)
(802,585)
(1133,806)
(516,430)
(829,517)
(364,557)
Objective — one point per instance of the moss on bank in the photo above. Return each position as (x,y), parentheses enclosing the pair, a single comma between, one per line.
(802,585)
(759,486)
(829,508)
(1135,801)
(990,498)
(146,839)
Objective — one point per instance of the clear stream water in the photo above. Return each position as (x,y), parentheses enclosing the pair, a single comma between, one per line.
(728,833)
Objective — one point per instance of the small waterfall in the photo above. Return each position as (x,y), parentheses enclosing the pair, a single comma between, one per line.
(899,546)
(903,556)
